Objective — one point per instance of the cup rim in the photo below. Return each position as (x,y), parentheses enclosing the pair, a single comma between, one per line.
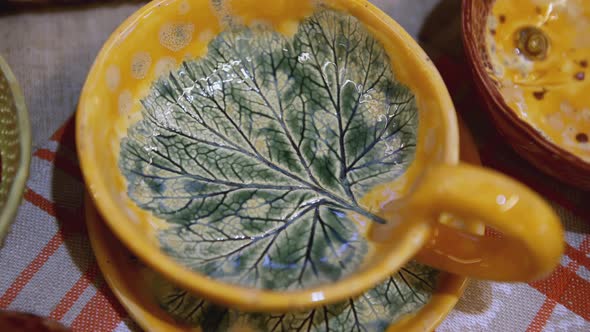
(256,299)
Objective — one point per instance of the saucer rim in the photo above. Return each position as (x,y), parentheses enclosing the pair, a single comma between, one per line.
(150,317)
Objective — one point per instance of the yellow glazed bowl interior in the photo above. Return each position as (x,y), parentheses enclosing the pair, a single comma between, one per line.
(163,34)
(547,89)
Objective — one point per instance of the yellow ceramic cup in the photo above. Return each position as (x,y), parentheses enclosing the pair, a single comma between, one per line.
(414,207)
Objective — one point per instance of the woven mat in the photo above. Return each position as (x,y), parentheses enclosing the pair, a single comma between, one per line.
(47,266)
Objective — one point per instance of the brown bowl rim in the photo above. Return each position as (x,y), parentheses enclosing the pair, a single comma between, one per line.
(475,62)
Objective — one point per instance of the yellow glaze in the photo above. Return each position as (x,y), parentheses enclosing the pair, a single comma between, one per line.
(531,245)
(155,40)
(551,94)
(126,281)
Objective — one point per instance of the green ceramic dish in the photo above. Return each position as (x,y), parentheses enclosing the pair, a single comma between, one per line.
(15,147)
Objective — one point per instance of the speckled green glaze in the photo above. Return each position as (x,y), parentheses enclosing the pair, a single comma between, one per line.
(257,155)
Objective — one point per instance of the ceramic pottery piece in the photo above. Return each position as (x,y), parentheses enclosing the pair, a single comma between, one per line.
(262,155)
(15,147)
(530,60)
(257,154)
(415,299)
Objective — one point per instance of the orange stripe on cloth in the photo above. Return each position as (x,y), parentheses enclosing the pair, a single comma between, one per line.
(578,256)
(40,202)
(576,297)
(70,221)
(75,292)
(101,313)
(565,287)
(29,272)
(553,287)
(73,225)
(60,162)
(543,315)
(556,284)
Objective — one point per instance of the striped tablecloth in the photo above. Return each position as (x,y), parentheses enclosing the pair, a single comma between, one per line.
(47,266)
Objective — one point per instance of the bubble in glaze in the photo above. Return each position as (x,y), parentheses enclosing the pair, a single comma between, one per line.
(176,36)
(140,64)
(184,7)
(125,102)
(555,120)
(113,77)
(165,65)
(206,36)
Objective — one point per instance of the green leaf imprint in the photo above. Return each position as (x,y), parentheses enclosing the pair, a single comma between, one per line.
(258,153)
(403,293)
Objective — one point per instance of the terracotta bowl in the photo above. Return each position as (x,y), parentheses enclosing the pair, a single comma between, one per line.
(524,138)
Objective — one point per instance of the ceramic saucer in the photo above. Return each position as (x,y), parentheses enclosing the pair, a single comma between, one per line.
(157,305)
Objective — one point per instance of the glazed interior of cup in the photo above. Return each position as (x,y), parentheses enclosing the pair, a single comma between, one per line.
(249,146)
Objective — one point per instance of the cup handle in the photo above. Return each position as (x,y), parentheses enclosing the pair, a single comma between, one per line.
(533,237)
